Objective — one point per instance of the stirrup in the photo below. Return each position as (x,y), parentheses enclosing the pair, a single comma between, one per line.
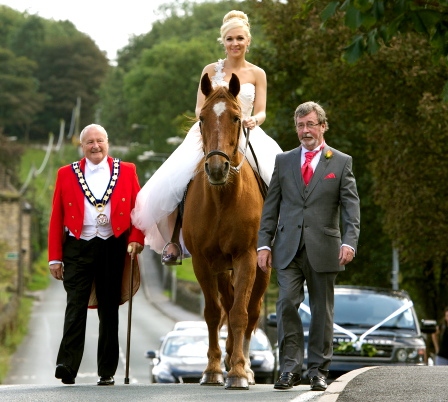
(171,258)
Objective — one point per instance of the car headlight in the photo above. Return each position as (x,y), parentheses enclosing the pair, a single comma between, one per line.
(402,355)
(410,355)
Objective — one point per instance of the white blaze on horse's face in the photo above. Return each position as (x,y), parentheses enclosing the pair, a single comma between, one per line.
(219,108)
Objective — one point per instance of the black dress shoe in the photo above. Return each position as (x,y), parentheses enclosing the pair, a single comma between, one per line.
(318,383)
(106,381)
(287,380)
(65,374)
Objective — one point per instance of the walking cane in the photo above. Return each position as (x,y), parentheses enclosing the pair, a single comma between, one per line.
(128,343)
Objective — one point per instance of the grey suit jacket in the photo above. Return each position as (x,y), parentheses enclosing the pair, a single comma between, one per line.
(292,210)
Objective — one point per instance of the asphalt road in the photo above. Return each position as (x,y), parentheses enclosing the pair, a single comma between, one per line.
(31,377)
(35,360)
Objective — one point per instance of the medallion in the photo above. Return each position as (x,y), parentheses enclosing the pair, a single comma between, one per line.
(102,220)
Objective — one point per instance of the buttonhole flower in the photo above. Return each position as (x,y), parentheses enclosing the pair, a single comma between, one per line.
(328,154)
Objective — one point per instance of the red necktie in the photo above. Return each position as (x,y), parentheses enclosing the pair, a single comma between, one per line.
(307,170)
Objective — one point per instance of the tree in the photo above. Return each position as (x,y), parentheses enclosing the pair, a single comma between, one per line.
(69,68)
(378,22)
(19,98)
(385,111)
(156,80)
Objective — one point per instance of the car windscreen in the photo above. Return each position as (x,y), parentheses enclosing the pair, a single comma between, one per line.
(259,341)
(186,346)
(367,310)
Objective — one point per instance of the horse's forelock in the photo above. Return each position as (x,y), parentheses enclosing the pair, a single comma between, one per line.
(220,93)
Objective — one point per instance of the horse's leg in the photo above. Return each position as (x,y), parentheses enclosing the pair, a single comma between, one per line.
(212,314)
(244,277)
(254,308)
(225,288)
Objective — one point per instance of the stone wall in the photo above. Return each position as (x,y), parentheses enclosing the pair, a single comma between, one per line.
(10,233)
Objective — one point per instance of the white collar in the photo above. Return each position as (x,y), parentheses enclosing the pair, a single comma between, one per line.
(104,164)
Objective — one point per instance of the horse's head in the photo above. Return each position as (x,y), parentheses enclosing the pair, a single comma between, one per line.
(220,122)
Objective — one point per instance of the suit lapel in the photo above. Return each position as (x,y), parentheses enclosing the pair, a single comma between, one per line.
(296,155)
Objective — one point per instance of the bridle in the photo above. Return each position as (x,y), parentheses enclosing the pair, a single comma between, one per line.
(224,155)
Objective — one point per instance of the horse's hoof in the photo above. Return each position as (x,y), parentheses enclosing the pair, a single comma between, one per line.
(212,379)
(250,378)
(237,383)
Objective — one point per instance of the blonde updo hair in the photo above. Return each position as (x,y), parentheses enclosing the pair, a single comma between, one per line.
(234,19)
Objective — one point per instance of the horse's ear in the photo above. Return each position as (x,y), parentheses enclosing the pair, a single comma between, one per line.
(206,85)
(234,85)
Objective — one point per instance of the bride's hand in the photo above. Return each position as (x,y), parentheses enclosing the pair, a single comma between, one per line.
(250,123)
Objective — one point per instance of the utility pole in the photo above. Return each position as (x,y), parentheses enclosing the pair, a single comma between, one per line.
(395,269)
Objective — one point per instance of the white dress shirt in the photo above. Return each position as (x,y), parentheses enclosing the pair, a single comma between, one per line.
(97,178)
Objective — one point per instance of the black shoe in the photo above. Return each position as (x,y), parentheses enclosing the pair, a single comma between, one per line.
(106,380)
(172,254)
(287,380)
(64,373)
(318,383)
(170,259)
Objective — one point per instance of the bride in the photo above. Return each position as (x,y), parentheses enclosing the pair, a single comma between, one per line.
(156,207)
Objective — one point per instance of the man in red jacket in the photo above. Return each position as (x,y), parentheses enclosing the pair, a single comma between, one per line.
(90,239)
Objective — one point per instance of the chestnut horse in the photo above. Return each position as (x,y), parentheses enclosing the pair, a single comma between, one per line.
(220,228)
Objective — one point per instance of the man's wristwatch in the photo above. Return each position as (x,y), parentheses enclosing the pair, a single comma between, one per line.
(256,121)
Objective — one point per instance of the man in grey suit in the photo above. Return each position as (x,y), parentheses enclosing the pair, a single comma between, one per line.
(301,225)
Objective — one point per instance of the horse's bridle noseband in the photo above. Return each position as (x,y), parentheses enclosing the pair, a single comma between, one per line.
(224,155)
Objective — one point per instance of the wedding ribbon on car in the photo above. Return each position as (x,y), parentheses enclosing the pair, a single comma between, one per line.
(358,341)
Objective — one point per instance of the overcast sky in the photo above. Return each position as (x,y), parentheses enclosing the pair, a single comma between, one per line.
(109,23)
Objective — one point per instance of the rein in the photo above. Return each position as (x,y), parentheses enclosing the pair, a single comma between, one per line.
(224,155)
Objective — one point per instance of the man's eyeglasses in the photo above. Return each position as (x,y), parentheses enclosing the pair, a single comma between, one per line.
(308,125)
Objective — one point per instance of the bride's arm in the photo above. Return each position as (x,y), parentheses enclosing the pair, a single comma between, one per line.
(259,111)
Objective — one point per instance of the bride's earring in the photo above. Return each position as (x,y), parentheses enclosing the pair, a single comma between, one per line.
(247,49)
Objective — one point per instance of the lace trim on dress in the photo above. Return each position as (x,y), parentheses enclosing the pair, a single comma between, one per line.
(218,78)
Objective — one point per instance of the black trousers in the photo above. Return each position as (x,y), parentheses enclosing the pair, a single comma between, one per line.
(86,262)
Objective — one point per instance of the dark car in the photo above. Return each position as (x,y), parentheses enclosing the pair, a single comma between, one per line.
(372,327)
(182,356)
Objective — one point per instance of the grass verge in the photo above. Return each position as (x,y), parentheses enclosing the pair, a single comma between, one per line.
(14,336)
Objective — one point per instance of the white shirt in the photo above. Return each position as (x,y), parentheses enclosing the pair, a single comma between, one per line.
(97,178)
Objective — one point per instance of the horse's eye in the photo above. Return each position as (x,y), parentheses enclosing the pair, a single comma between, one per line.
(236,119)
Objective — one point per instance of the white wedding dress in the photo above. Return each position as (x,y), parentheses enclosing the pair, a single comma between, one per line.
(162,193)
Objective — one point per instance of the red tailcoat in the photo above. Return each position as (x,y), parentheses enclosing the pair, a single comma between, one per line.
(68,211)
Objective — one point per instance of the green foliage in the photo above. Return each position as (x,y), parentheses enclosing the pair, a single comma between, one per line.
(349,347)
(40,278)
(385,111)
(14,336)
(185,271)
(155,83)
(378,22)
(19,97)
(45,66)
